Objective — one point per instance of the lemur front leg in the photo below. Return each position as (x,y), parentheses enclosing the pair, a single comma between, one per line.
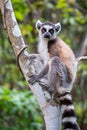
(36,77)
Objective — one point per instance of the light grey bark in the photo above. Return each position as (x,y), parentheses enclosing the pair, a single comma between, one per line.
(84,46)
(30,64)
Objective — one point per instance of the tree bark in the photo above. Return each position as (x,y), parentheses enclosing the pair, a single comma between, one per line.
(30,64)
(84,47)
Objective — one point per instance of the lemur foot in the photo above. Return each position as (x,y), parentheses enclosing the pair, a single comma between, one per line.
(33,78)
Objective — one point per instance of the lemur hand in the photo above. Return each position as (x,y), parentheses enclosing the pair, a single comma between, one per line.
(33,78)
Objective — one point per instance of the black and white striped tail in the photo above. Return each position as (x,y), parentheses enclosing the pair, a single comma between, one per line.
(68,113)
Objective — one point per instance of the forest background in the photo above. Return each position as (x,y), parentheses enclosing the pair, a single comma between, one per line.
(19,109)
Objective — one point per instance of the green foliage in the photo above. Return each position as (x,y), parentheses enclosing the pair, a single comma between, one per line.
(19,111)
(81,112)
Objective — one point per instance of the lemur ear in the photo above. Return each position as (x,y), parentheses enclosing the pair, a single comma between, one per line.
(38,24)
(58,27)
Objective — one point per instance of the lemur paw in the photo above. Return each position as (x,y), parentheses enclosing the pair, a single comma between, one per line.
(32,79)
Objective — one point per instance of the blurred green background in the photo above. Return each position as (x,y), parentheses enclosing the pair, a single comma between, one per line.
(18,107)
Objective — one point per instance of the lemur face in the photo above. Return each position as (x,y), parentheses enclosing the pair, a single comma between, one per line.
(48,30)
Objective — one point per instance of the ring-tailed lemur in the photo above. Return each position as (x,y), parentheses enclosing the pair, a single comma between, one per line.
(60,64)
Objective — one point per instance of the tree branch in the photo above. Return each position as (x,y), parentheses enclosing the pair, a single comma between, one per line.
(29,64)
(78,59)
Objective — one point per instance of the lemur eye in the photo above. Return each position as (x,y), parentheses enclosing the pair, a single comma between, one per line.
(51,31)
(43,30)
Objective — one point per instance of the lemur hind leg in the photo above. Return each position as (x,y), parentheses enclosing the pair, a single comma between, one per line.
(57,75)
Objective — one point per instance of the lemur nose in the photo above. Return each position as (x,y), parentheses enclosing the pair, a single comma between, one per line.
(47,35)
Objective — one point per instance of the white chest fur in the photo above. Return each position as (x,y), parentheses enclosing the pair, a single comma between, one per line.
(43,50)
